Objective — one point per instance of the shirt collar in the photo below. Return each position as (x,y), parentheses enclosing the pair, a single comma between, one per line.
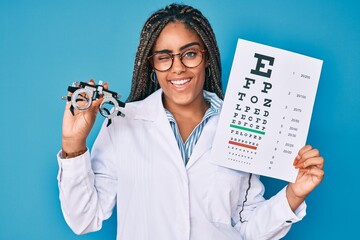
(215,106)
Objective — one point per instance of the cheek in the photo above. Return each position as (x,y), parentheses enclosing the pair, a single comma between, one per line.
(201,76)
(160,78)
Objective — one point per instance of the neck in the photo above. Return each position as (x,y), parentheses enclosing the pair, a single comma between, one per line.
(194,109)
(187,116)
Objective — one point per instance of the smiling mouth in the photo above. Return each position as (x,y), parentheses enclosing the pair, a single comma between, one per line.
(180,82)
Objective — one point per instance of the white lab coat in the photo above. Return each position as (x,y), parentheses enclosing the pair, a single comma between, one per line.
(136,164)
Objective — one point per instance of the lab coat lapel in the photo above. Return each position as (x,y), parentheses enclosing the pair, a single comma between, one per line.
(153,110)
(205,141)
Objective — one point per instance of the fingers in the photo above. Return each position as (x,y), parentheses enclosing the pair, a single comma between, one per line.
(308,157)
(315,161)
(315,172)
(304,150)
(95,102)
(106,86)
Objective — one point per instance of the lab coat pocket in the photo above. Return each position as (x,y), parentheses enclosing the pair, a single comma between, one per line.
(223,196)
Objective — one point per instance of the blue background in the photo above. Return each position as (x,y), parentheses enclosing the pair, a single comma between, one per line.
(46,45)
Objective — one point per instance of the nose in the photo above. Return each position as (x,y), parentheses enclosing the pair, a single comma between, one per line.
(177,67)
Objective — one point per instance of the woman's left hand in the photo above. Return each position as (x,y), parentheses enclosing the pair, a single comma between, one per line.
(311,173)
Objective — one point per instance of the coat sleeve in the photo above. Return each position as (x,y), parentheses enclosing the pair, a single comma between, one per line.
(265,219)
(87,186)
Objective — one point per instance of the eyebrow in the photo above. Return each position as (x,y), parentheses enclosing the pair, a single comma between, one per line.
(181,48)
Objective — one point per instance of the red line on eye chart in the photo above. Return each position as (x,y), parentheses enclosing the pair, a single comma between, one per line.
(242,145)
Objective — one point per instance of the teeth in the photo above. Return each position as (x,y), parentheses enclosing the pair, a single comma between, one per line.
(180,82)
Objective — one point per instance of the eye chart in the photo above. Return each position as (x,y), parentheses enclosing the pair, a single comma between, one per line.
(267,109)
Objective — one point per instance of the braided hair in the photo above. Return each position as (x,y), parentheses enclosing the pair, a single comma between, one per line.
(142,85)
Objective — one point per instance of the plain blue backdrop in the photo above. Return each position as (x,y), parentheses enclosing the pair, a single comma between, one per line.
(46,45)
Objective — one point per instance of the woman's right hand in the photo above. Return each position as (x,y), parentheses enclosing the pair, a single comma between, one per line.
(76,128)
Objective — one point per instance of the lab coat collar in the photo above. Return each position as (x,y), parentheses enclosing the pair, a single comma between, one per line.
(152,109)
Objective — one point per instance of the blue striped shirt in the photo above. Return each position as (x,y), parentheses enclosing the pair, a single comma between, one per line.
(187,147)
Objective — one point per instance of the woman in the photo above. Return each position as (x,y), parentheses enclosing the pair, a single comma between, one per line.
(154,164)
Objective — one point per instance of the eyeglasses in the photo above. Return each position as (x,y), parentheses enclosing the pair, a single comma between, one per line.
(163,61)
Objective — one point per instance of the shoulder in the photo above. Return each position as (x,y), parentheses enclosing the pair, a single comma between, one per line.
(213,99)
(153,101)
(145,109)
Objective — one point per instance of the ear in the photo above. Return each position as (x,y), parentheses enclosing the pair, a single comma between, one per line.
(207,62)
(207,59)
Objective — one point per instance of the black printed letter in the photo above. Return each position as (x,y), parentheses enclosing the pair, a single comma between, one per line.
(260,65)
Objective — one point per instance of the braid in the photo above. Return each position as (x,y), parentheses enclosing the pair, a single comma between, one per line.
(142,85)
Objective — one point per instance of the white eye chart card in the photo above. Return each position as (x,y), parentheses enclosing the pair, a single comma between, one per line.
(267,109)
